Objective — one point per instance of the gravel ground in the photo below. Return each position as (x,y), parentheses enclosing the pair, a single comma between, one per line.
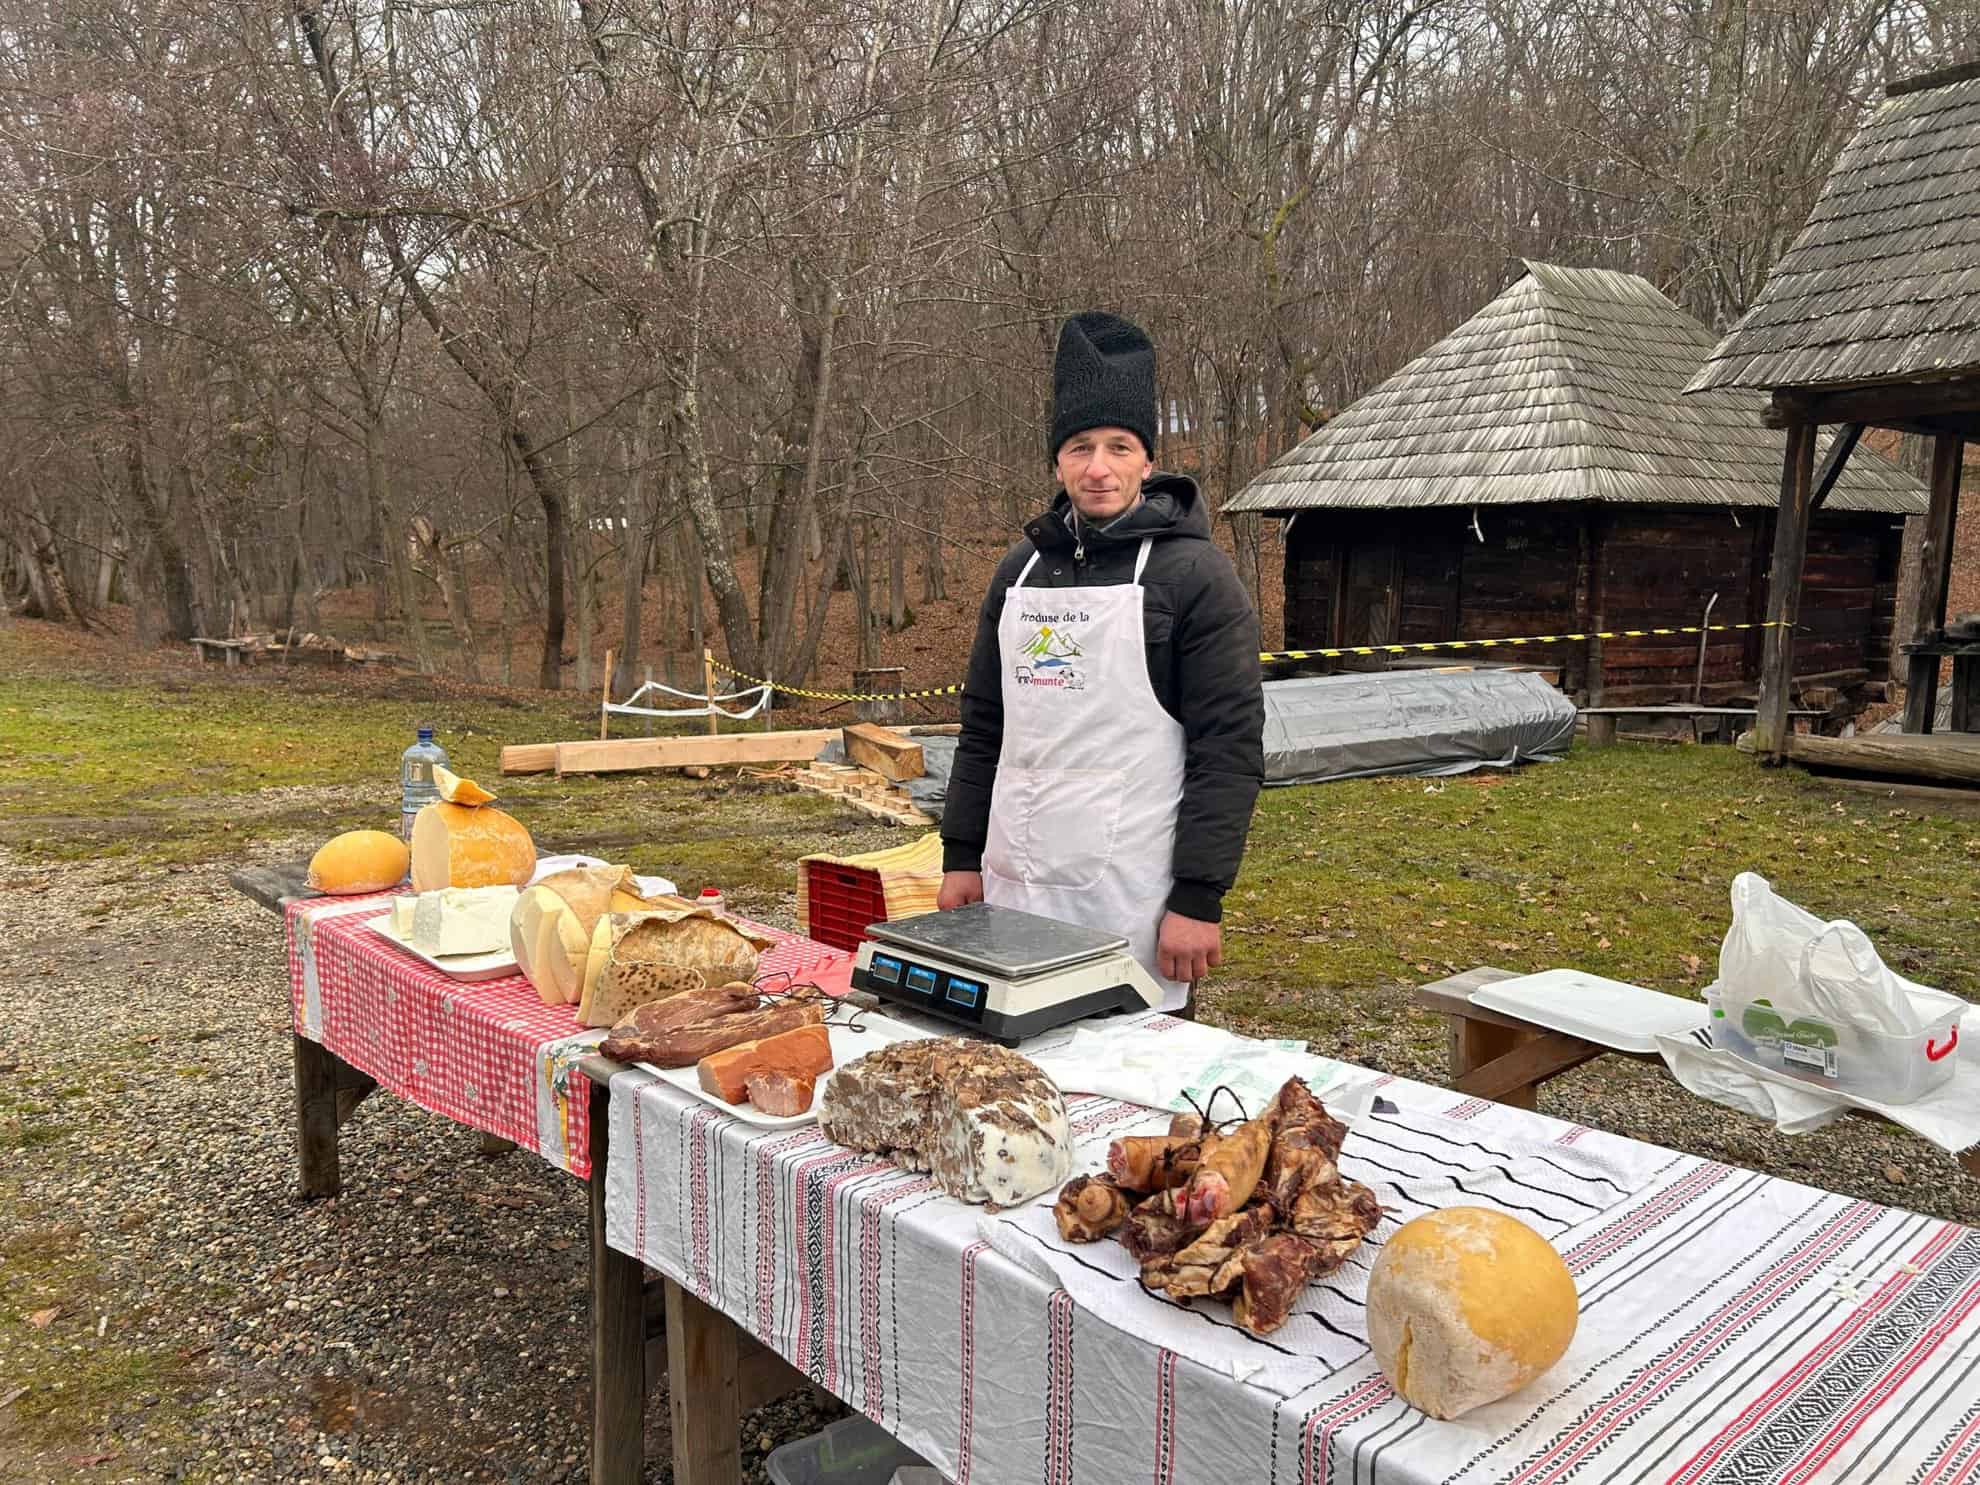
(429,1325)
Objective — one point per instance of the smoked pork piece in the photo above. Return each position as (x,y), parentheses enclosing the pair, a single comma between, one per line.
(984,1121)
(783,1094)
(805,1052)
(685,1045)
(655,1016)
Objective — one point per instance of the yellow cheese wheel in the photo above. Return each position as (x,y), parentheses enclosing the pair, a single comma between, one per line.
(358,861)
(454,846)
(1466,1306)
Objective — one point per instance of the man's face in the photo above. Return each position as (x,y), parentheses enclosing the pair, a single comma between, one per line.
(1102,469)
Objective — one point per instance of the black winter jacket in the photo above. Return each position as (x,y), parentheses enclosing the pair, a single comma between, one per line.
(1202,648)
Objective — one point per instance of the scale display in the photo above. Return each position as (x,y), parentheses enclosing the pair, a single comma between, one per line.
(1004,973)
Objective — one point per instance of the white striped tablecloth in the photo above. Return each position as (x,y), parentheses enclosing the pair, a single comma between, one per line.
(1735,1327)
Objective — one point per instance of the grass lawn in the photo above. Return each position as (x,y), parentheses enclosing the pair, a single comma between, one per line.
(1616,860)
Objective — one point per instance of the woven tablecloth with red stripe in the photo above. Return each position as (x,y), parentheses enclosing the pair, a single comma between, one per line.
(1735,1327)
(486,1053)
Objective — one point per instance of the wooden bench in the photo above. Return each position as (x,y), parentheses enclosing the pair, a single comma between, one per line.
(1506,1059)
(231,650)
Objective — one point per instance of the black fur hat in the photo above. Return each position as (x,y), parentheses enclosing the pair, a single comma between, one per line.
(1103,376)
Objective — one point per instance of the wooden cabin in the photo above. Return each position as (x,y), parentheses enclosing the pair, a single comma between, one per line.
(1872,319)
(1537,472)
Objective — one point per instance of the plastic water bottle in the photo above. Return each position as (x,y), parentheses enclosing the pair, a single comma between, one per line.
(416,786)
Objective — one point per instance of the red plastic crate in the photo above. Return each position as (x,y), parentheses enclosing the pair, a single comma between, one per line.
(841,901)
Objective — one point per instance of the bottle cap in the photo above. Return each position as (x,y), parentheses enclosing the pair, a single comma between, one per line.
(426,732)
(711,891)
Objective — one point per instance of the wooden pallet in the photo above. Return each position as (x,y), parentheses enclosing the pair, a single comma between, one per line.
(860,788)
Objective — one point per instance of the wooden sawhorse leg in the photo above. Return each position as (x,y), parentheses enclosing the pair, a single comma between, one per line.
(618,1329)
(328,1091)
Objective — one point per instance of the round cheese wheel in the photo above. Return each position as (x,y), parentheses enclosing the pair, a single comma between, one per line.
(1466,1306)
(550,929)
(358,861)
(454,846)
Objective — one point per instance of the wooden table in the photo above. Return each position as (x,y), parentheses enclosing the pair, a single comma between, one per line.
(641,1330)
(1506,1059)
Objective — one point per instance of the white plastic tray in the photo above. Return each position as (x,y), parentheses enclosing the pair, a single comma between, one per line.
(1607,1012)
(848,1045)
(460,966)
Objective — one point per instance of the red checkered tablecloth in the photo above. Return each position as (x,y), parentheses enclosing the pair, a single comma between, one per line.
(488,1053)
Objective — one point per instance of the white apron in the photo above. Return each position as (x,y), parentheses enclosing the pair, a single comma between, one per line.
(1083,815)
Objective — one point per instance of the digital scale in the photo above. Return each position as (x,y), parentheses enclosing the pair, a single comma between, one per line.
(1004,974)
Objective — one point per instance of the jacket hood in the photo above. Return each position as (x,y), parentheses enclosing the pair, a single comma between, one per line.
(1171,506)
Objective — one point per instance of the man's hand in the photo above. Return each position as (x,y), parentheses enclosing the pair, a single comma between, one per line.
(1187,948)
(958,888)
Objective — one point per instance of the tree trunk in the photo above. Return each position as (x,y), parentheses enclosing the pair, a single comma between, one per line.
(639,542)
(405,582)
(167,556)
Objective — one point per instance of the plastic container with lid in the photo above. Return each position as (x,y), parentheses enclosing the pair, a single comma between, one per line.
(1832,1053)
(711,897)
(853,1451)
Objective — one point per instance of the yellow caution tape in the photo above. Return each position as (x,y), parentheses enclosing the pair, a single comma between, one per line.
(1268,656)
(757,680)
(1492,644)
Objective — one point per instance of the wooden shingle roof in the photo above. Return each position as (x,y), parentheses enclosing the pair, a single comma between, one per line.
(1564,388)
(1884,281)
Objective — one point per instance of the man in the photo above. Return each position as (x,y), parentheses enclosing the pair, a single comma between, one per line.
(1112,718)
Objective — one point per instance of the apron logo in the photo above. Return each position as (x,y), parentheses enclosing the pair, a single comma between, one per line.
(1048,658)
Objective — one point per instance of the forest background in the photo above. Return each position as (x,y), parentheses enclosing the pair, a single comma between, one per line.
(509,331)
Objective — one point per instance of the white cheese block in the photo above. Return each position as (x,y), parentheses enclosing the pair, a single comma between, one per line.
(402,914)
(462,920)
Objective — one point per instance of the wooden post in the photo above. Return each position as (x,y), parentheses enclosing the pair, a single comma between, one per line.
(618,1329)
(605,699)
(1935,553)
(885,682)
(1770,725)
(1594,618)
(708,683)
(316,1118)
(702,1401)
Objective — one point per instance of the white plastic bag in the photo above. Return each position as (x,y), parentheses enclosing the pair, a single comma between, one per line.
(1788,957)
(1844,978)
(1762,953)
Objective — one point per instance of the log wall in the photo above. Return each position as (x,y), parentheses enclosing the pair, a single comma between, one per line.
(1653,567)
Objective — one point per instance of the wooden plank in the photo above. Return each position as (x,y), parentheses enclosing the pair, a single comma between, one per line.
(1879,406)
(625,755)
(1770,727)
(762,1376)
(1514,1076)
(702,1397)
(272,886)
(529,758)
(353,1088)
(1936,797)
(1943,758)
(316,1118)
(887,753)
(1935,554)
(618,1368)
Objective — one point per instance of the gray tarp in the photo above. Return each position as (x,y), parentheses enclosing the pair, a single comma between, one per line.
(1410,721)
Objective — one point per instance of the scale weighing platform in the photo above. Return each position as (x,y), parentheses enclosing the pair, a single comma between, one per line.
(1003,974)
